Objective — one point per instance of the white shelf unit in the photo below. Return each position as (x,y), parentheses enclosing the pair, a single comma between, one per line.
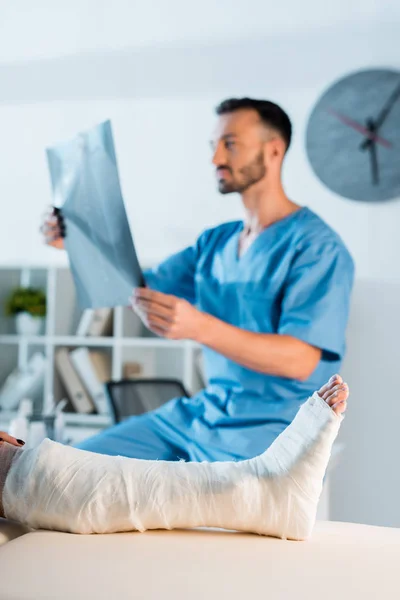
(129,341)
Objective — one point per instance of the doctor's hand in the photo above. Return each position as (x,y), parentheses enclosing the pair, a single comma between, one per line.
(166,315)
(53,229)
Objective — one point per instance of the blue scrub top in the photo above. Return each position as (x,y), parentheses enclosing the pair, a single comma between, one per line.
(295,279)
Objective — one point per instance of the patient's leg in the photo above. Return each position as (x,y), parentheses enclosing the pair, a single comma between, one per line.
(276,493)
(7,455)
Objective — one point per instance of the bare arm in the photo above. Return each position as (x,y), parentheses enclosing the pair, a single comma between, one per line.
(273,354)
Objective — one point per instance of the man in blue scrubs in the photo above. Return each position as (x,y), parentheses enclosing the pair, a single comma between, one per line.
(267,298)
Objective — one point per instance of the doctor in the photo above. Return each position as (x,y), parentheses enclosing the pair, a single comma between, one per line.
(267,298)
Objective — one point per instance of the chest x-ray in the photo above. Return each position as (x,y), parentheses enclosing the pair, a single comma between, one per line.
(99,242)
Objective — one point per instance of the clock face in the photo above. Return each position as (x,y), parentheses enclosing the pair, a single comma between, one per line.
(353,136)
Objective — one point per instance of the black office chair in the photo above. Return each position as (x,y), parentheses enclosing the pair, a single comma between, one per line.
(130,397)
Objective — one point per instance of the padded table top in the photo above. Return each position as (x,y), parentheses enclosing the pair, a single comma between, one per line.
(341,561)
(9,530)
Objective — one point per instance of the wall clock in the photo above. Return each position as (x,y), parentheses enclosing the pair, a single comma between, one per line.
(353,136)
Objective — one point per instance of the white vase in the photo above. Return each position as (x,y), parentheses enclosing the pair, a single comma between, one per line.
(26,324)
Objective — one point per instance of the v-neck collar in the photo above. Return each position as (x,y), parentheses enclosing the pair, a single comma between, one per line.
(267,230)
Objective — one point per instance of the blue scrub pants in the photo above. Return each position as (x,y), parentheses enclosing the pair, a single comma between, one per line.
(137,437)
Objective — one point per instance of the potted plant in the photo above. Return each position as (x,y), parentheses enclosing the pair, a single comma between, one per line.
(28,306)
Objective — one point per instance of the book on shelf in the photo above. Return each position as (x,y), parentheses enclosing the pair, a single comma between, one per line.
(132,370)
(102,364)
(84,323)
(77,393)
(94,369)
(95,322)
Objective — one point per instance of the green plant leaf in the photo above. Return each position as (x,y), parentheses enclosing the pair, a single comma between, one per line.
(26,299)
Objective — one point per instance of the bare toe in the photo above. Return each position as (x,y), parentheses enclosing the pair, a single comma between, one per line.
(330,391)
(340,408)
(333,381)
(337,398)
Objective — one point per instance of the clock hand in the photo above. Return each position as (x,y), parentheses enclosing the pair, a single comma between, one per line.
(386,109)
(360,128)
(394,96)
(373,154)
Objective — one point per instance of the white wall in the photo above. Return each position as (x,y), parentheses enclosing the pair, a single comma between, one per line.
(157,69)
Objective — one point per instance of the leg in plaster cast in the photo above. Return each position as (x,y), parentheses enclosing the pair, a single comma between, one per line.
(276,493)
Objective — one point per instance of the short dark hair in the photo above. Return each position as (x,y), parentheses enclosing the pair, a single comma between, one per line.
(270,114)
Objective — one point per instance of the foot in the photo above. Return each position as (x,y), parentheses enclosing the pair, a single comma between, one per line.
(335,394)
(295,464)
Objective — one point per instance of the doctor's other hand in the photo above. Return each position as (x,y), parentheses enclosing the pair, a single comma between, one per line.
(168,316)
(53,229)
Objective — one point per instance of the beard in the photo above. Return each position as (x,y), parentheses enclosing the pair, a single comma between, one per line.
(245,177)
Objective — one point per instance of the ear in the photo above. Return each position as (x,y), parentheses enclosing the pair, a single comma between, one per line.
(277,149)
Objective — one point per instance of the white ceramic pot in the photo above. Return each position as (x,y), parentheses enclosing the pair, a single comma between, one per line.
(25,324)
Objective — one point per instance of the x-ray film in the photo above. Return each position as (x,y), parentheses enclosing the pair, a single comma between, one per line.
(99,242)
